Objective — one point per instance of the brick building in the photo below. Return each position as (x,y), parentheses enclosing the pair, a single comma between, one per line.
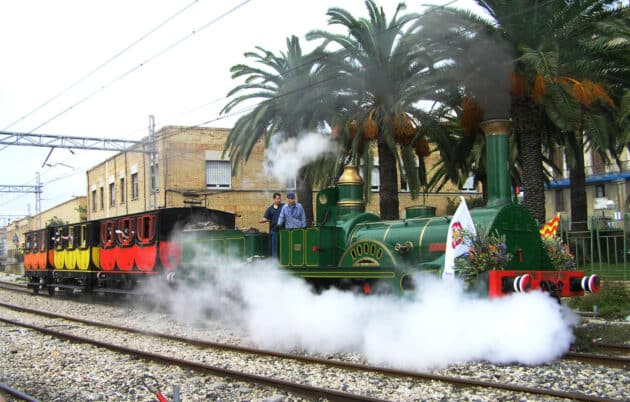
(191,170)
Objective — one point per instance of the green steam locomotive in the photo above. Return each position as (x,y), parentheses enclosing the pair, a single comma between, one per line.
(353,249)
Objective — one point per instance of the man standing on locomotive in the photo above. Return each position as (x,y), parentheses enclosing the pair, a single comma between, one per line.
(292,215)
(271,215)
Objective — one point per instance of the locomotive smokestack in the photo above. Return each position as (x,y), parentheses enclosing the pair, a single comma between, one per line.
(350,187)
(497,162)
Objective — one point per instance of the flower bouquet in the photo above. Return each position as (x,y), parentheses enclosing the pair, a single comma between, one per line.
(486,251)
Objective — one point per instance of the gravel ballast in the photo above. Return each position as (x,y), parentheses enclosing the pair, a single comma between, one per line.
(51,369)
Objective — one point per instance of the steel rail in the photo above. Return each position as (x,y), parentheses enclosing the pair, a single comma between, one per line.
(327,362)
(296,388)
(609,346)
(16,393)
(15,287)
(591,358)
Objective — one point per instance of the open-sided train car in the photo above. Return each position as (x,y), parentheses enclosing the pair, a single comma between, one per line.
(113,253)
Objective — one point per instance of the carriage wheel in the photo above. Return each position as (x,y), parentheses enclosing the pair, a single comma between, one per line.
(36,287)
(51,290)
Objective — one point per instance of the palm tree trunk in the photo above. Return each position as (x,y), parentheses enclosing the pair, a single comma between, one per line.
(305,194)
(578,184)
(527,122)
(388,182)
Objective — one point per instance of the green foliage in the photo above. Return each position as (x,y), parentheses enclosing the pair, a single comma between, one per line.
(55,221)
(82,212)
(486,252)
(559,253)
(472,202)
(612,301)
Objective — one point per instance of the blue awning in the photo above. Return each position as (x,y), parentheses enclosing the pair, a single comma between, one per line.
(596,178)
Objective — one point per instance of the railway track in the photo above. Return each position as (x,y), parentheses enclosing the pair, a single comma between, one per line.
(18,287)
(290,386)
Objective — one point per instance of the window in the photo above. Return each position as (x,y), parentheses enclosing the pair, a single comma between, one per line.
(218,174)
(93,200)
(469,184)
(376,178)
(134,186)
(112,194)
(154,177)
(122,190)
(558,160)
(290,184)
(560,200)
(404,184)
(102,199)
(600,191)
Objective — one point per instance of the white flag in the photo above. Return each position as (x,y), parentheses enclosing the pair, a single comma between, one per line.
(455,244)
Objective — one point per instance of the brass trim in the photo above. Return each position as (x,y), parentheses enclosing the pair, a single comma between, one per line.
(496,127)
(350,175)
(382,245)
(421,238)
(386,233)
(350,203)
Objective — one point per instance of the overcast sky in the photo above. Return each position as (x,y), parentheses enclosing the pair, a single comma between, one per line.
(100,68)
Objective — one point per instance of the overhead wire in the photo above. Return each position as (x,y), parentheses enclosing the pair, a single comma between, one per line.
(143,63)
(103,64)
(467,29)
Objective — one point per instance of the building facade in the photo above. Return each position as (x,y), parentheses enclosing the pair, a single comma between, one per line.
(607,191)
(190,169)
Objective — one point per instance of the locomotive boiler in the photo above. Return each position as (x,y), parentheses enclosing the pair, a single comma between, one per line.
(350,247)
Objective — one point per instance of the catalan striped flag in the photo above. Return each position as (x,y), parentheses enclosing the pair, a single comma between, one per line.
(550,228)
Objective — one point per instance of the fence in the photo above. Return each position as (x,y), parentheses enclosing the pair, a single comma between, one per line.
(602,248)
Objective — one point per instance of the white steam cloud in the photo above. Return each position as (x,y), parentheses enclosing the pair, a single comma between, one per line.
(285,157)
(438,326)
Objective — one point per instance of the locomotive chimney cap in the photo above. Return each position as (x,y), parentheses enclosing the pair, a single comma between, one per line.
(350,175)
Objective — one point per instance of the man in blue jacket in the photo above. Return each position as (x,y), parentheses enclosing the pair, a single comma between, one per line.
(292,215)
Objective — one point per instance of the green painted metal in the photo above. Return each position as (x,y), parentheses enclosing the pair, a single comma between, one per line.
(311,247)
(327,206)
(233,243)
(497,161)
(521,232)
(420,211)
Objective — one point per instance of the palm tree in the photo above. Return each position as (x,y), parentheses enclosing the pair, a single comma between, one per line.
(537,33)
(574,80)
(287,92)
(381,77)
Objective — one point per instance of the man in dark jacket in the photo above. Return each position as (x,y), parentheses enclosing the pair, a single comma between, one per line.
(271,215)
